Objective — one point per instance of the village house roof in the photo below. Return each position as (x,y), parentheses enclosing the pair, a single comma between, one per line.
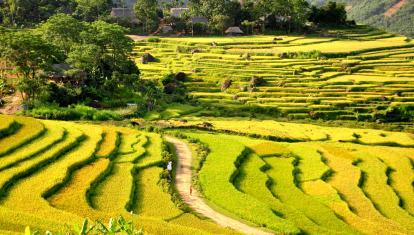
(234,30)
(122,13)
(177,12)
(199,19)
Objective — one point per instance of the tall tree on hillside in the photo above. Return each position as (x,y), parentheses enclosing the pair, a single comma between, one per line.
(90,10)
(62,30)
(300,13)
(288,12)
(219,23)
(331,13)
(29,12)
(103,54)
(30,55)
(147,12)
(211,8)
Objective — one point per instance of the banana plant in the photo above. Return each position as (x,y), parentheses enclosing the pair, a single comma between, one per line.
(115,226)
(118,226)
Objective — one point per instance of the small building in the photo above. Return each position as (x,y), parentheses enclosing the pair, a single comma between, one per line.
(124,13)
(178,12)
(199,20)
(124,3)
(234,31)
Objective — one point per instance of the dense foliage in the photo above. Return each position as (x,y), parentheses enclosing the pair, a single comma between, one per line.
(373,13)
(29,13)
(329,14)
(66,61)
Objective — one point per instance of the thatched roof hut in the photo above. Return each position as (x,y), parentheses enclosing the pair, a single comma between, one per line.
(234,31)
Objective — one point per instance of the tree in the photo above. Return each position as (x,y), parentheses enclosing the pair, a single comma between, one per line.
(29,12)
(103,56)
(147,12)
(62,31)
(331,13)
(90,10)
(212,8)
(151,93)
(219,23)
(112,39)
(85,58)
(300,13)
(286,13)
(30,55)
(28,52)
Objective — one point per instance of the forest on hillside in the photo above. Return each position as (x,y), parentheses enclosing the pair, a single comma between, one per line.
(372,13)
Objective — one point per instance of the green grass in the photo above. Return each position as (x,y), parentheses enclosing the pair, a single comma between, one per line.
(215,179)
(402,176)
(53,136)
(54,180)
(282,174)
(382,195)
(151,200)
(114,192)
(310,164)
(254,182)
(346,181)
(30,130)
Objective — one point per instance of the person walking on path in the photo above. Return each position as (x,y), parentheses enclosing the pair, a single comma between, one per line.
(169,169)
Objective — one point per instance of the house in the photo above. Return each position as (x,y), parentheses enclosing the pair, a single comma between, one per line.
(199,20)
(178,12)
(124,13)
(234,31)
(124,3)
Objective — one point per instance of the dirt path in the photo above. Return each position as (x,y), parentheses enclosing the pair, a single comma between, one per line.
(394,9)
(137,38)
(12,105)
(195,201)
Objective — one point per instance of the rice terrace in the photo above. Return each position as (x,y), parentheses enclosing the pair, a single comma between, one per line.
(206,117)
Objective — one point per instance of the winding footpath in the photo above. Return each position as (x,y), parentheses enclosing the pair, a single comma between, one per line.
(195,200)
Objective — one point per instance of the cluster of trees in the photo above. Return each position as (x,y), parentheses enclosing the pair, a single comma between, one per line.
(331,13)
(372,13)
(29,12)
(66,61)
(252,15)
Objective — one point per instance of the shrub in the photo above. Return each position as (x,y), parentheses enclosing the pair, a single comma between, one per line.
(154,39)
(78,112)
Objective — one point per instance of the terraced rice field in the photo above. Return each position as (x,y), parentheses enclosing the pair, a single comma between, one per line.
(307,184)
(355,75)
(289,179)
(54,174)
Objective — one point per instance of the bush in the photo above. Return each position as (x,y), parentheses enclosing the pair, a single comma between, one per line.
(401,113)
(154,39)
(78,112)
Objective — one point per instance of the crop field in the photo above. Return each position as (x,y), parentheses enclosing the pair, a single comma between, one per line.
(308,184)
(283,177)
(54,174)
(349,74)
(249,164)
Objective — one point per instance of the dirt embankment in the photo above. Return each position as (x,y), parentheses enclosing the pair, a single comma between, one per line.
(394,9)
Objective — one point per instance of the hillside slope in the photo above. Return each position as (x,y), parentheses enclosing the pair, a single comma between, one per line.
(393,15)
